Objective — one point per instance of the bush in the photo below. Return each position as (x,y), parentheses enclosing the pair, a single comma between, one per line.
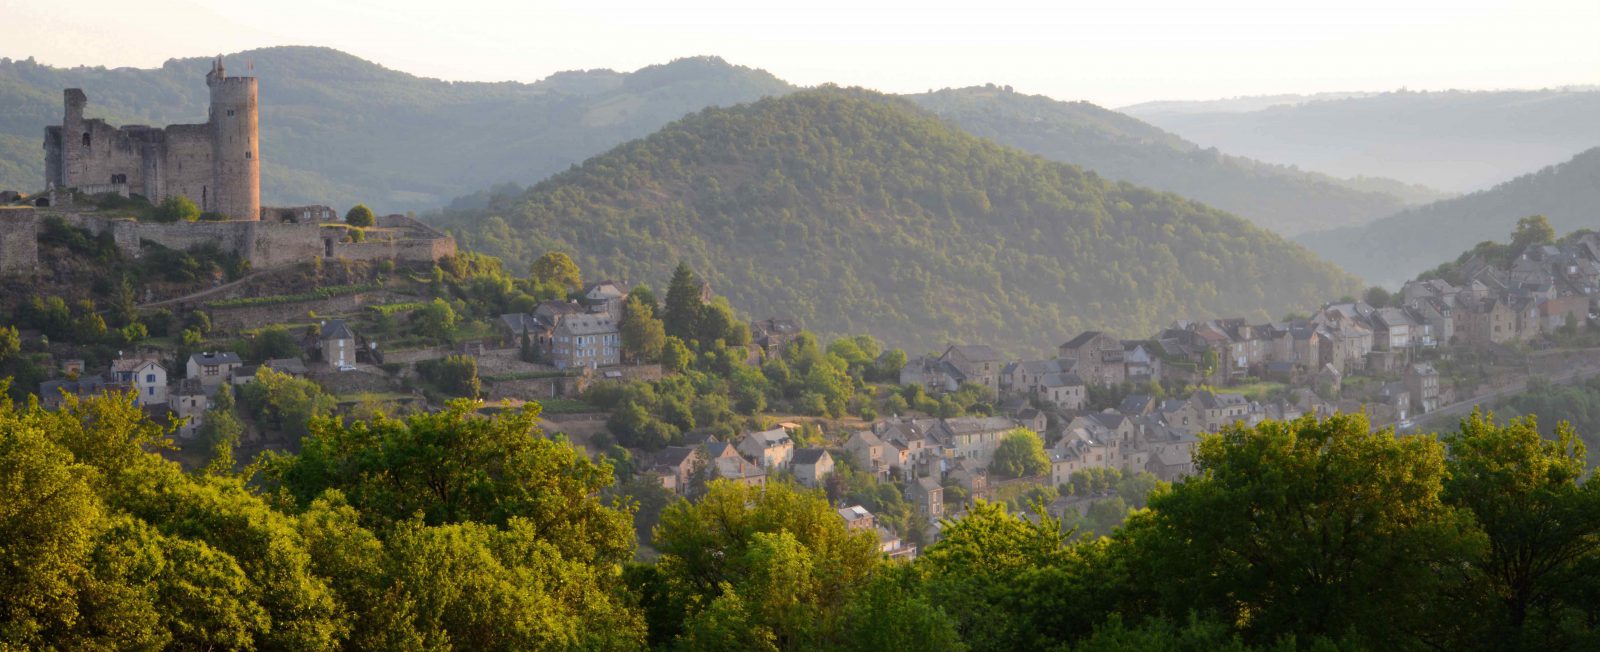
(359,215)
(175,208)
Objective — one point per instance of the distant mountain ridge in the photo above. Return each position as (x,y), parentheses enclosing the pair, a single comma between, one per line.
(1457,141)
(338,129)
(856,212)
(1399,247)
(1118,146)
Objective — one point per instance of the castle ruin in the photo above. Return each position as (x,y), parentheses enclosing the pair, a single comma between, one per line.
(217,165)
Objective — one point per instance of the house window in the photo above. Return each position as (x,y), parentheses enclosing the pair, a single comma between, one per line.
(211,371)
(151,390)
(149,378)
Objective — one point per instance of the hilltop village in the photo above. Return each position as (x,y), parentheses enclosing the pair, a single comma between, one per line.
(235,323)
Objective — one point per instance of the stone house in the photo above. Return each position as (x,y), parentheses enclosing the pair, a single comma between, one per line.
(868,452)
(928,495)
(857,517)
(772,334)
(1026,376)
(145,376)
(1140,361)
(1066,391)
(1555,314)
(1422,381)
(1486,321)
(933,375)
(675,465)
(213,368)
(1097,357)
(1392,329)
(738,469)
(978,364)
(188,401)
(586,341)
(770,449)
(1218,410)
(973,438)
(812,466)
(337,345)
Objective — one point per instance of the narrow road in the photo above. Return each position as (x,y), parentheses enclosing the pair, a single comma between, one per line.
(1462,408)
(202,293)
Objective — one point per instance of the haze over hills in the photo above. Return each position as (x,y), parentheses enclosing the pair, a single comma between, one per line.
(336,129)
(1455,141)
(1397,248)
(1281,198)
(857,212)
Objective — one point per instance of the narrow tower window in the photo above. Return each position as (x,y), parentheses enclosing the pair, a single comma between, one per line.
(247,156)
(85,139)
(230,113)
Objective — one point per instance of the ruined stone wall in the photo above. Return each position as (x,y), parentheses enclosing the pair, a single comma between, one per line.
(19,240)
(186,166)
(276,245)
(110,154)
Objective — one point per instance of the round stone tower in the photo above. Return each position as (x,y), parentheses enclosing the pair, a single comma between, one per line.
(235,146)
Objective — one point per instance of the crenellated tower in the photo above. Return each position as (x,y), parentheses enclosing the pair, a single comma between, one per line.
(235,145)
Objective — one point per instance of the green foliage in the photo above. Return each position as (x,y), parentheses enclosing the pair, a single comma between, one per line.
(359,216)
(176,208)
(1343,523)
(436,319)
(456,375)
(270,343)
(279,299)
(284,403)
(778,559)
(1577,404)
(923,232)
(643,335)
(1020,455)
(557,268)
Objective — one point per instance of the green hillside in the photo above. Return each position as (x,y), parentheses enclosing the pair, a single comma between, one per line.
(1281,198)
(857,212)
(1399,247)
(337,129)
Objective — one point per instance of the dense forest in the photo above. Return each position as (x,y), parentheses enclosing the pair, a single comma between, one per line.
(339,130)
(1281,198)
(1398,247)
(456,531)
(857,212)
(1457,141)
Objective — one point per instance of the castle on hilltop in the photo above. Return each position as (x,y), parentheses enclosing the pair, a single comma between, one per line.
(217,164)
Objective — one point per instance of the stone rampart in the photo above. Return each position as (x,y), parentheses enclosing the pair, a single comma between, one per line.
(19,240)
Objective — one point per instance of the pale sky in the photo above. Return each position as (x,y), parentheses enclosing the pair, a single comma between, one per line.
(1111,52)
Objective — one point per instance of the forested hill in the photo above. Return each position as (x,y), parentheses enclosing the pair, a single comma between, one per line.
(337,129)
(1397,248)
(1115,145)
(857,212)
(1456,141)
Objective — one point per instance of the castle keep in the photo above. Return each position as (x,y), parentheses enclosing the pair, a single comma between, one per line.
(217,164)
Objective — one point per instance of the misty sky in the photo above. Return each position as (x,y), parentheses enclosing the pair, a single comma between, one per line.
(1113,52)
